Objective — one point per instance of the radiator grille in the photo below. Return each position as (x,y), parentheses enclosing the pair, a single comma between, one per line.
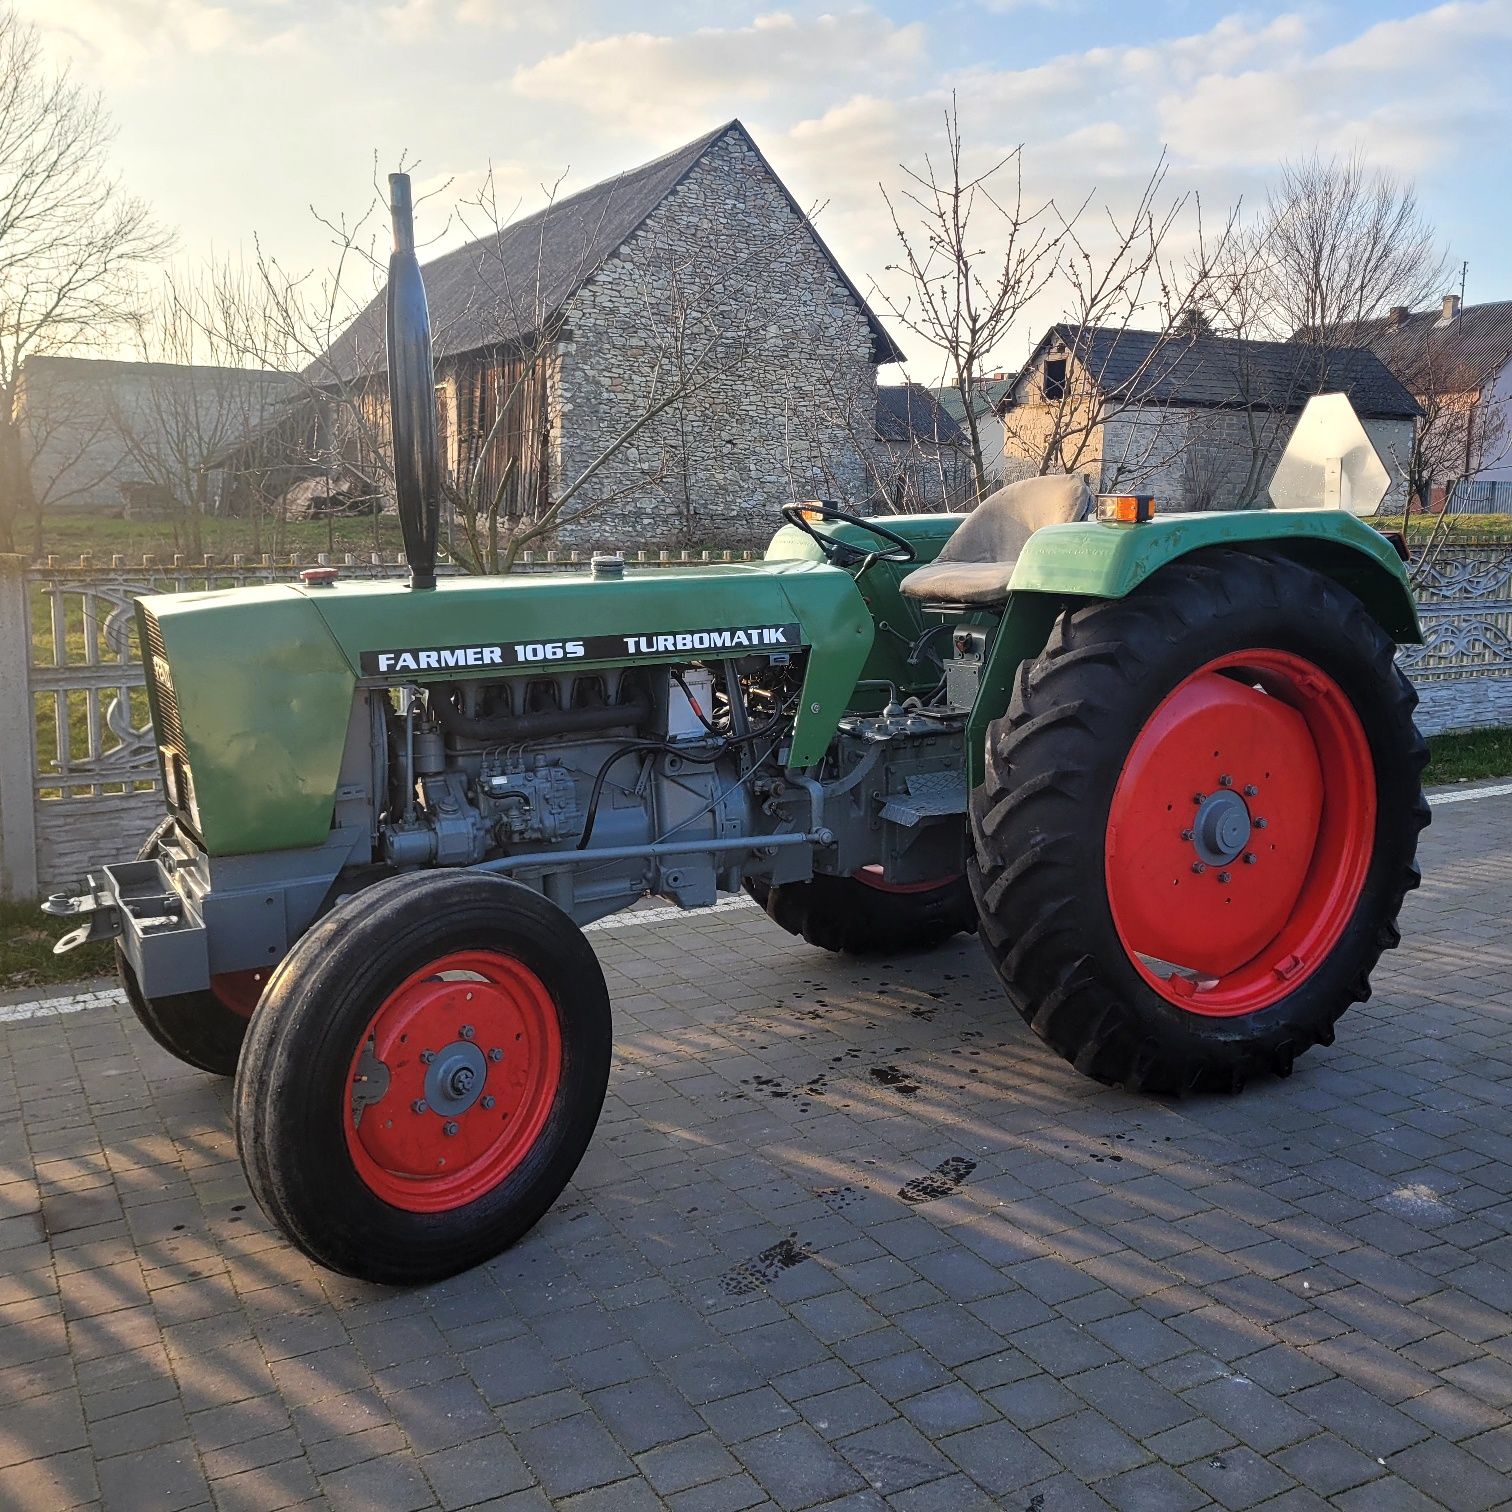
(170,732)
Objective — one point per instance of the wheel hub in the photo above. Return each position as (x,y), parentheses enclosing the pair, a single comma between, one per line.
(1222,827)
(1240,831)
(454,1081)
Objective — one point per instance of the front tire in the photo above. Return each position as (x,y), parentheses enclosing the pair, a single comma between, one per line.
(423,1075)
(1198,824)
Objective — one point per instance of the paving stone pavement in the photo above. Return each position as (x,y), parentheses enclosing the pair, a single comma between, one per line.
(848,1237)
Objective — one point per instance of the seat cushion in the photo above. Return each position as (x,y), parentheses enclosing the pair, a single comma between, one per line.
(977,562)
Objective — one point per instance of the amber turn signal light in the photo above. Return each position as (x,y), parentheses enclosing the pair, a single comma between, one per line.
(1126,509)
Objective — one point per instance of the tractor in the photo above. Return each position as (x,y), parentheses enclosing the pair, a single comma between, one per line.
(1165,764)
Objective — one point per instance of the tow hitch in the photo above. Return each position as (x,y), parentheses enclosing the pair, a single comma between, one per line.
(138,905)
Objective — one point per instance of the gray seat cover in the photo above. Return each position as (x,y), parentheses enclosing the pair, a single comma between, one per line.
(978,560)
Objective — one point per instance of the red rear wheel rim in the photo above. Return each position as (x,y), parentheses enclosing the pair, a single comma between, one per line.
(452,1081)
(1228,894)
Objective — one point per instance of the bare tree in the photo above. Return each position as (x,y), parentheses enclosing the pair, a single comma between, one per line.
(972,255)
(71,242)
(176,416)
(1134,291)
(1337,246)
(64,443)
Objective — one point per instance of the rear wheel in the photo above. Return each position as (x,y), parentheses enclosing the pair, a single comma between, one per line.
(423,1076)
(203,1029)
(1199,822)
(863,915)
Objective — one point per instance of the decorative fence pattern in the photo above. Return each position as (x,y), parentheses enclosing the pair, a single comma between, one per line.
(78,777)
(1463,669)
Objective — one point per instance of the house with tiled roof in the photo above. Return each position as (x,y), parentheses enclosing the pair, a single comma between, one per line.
(1457,360)
(987,396)
(1197,419)
(921,460)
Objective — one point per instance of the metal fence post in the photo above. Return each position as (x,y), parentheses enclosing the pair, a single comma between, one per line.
(18,787)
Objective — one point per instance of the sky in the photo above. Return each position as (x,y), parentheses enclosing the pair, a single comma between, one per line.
(235,117)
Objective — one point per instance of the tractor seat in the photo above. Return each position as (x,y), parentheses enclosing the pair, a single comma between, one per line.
(976,563)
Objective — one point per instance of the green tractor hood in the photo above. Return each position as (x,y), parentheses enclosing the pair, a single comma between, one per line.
(251,688)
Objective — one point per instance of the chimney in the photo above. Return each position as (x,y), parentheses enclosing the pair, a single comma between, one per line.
(1398,315)
(1451,309)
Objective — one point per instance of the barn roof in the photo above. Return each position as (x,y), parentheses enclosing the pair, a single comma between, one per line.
(486,293)
(987,395)
(1226,372)
(909,412)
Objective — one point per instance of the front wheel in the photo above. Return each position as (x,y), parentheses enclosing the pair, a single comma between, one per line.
(1199,822)
(423,1075)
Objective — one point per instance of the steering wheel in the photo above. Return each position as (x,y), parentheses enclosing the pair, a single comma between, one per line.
(898,550)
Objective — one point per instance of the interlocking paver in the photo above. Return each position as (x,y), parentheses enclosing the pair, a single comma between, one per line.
(165,1476)
(1101,1302)
(476,1472)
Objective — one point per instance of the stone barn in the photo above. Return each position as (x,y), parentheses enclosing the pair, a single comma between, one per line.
(675,350)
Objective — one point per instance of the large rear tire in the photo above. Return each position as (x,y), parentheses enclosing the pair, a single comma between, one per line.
(861,916)
(203,1029)
(1198,824)
(423,1075)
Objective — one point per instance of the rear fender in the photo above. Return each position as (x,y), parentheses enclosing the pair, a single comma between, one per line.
(1063,565)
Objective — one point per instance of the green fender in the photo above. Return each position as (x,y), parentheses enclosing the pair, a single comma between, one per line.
(1093,560)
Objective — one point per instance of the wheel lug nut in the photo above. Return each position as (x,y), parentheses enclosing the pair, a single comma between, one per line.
(427,1056)
(1250,790)
(467,1031)
(448,1128)
(1199,867)
(1225,781)
(1261,823)
(488,1102)
(1187,834)
(1249,858)
(1225,877)
(1198,797)
(496,1054)
(418,1106)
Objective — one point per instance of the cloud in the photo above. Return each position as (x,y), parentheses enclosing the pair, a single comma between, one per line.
(414,20)
(1372,90)
(656,86)
(124,36)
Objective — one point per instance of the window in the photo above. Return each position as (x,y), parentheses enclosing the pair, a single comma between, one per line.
(1054,381)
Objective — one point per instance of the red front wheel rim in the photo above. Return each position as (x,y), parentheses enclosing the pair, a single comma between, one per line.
(452,1081)
(1240,832)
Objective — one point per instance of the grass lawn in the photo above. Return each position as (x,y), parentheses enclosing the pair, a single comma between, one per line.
(71,536)
(1464,756)
(26,942)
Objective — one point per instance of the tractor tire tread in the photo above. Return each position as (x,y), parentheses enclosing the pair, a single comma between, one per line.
(1027,815)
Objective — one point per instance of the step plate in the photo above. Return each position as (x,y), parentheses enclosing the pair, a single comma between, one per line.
(931,795)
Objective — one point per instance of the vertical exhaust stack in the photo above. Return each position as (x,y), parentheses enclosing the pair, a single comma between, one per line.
(412,394)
